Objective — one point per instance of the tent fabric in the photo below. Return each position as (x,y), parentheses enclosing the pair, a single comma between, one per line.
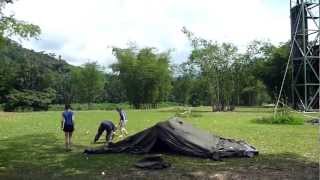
(152,162)
(178,137)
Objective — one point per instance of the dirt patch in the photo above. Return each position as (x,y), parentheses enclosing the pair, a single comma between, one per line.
(266,173)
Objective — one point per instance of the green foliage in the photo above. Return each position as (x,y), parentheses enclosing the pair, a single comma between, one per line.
(281,119)
(22,69)
(102,106)
(230,78)
(114,90)
(215,74)
(283,116)
(272,71)
(214,62)
(185,80)
(9,26)
(92,106)
(28,100)
(189,88)
(144,74)
(88,82)
(255,93)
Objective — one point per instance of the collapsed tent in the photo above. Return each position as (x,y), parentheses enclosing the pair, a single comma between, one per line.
(178,137)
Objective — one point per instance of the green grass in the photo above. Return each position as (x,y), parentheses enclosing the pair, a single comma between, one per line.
(31,146)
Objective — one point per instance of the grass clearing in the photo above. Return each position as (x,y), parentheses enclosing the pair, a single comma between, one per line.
(31,147)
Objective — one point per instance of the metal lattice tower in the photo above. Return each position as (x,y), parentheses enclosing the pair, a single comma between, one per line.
(305,59)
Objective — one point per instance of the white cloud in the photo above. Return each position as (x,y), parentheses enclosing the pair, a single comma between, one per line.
(85,29)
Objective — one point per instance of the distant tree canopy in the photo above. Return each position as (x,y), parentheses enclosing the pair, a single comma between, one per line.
(227,77)
(215,74)
(144,74)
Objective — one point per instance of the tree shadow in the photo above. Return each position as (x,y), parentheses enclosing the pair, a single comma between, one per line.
(42,156)
(264,166)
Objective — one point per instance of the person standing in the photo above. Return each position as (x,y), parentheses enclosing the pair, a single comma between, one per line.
(67,125)
(122,122)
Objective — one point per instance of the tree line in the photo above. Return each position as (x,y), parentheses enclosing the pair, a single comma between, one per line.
(215,74)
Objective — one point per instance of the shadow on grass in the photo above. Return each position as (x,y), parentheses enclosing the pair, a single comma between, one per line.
(42,156)
(264,166)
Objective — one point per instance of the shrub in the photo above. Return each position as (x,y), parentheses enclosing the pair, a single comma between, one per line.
(28,100)
(281,118)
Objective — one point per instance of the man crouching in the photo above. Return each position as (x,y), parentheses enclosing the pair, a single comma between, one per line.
(110,129)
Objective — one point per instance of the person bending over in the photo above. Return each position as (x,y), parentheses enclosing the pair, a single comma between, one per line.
(67,125)
(110,129)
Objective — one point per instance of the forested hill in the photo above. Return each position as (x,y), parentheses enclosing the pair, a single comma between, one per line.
(12,52)
(26,75)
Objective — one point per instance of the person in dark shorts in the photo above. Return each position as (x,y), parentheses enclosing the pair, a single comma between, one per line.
(110,129)
(67,125)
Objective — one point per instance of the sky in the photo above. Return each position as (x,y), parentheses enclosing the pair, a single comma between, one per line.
(84,31)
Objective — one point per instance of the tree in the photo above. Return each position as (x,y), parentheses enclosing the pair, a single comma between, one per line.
(272,71)
(214,61)
(179,83)
(9,26)
(189,88)
(249,88)
(144,74)
(89,82)
(265,65)
(114,91)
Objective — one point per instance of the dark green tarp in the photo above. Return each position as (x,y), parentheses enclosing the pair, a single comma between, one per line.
(178,137)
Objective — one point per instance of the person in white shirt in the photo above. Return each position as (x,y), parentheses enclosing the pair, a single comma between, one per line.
(122,122)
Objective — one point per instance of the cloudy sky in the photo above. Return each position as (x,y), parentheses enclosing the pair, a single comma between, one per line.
(82,31)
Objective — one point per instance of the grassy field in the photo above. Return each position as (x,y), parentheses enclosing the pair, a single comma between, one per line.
(31,147)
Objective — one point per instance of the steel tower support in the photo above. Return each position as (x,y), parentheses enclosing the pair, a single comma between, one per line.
(305,59)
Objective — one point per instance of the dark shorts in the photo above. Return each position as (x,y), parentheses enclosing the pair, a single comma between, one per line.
(68,128)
